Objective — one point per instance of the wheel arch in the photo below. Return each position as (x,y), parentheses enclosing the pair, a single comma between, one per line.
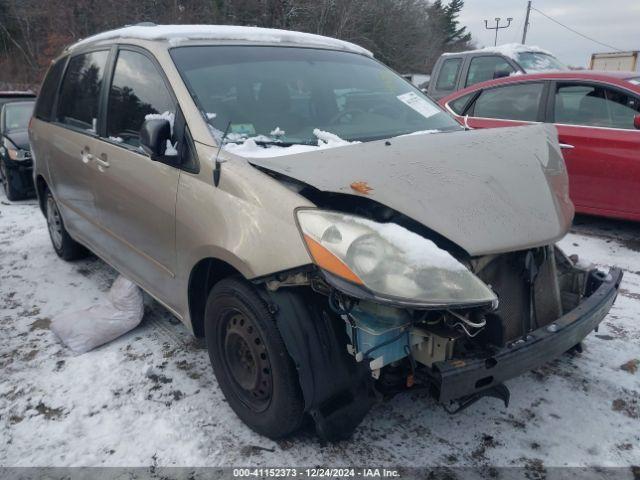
(41,187)
(203,277)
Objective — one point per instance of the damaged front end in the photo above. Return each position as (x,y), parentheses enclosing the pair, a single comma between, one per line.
(388,310)
(442,274)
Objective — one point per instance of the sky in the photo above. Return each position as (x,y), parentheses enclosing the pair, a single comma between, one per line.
(617,24)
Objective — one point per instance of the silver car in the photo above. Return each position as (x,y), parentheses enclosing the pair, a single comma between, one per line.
(328,229)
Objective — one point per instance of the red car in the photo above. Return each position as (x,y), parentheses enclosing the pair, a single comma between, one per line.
(598,119)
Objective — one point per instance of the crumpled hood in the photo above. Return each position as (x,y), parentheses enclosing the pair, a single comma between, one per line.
(488,191)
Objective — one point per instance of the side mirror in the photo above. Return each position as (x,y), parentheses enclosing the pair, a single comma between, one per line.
(636,122)
(154,135)
(501,74)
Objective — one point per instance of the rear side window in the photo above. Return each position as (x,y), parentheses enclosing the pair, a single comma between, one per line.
(44,105)
(448,74)
(79,100)
(137,90)
(486,68)
(519,102)
(594,105)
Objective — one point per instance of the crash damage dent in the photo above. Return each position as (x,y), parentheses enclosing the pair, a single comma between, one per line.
(351,345)
(488,191)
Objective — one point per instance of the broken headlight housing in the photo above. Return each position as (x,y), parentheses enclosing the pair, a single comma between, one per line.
(389,262)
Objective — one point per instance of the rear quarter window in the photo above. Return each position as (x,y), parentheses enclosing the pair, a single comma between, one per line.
(48,90)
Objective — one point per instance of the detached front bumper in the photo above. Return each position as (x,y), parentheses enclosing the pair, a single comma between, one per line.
(458,378)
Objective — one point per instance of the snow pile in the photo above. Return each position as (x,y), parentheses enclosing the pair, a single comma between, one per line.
(170,116)
(116,139)
(176,34)
(278,132)
(86,329)
(510,50)
(249,148)
(170,149)
(419,132)
(418,251)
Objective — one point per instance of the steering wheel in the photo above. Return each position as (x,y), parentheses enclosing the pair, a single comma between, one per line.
(338,116)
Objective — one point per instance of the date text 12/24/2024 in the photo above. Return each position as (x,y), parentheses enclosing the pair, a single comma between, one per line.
(316,472)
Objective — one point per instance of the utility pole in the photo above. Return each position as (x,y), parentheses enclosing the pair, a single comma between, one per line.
(526,23)
(497,27)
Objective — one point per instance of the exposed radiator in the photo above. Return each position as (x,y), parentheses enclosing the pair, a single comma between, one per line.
(506,275)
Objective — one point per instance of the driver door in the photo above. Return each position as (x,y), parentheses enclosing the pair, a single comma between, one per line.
(136,196)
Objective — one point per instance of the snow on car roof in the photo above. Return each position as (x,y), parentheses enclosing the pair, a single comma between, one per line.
(175,34)
(508,50)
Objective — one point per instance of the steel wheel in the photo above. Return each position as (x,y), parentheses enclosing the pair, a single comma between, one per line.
(54,223)
(246,360)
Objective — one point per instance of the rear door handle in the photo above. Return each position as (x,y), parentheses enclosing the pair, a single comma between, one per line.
(102,162)
(566,146)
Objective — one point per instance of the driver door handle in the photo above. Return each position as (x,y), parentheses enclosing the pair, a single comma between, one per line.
(566,146)
(86,157)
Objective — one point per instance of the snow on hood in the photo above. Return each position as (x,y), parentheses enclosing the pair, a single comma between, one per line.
(175,34)
(488,191)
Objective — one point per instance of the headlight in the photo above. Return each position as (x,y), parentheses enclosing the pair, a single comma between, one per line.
(16,153)
(389,260)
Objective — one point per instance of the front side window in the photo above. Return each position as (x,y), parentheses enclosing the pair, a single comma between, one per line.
(486,68)
(519,102)
(594,105)
(448,74)
(137,90)
(288,95)
(17,116)
(79,100)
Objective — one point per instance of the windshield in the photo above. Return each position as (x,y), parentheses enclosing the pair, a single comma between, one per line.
(17,115)
(286,95)
(539,62)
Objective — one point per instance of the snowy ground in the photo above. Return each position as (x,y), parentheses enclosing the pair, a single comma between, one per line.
(150,397)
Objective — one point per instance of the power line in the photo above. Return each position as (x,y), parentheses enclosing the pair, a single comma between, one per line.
(575,31)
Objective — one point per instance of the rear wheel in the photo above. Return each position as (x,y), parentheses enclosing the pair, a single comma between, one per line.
(65,246)
(250,360)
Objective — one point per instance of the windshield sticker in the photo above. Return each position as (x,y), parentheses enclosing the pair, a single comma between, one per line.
(419,104)
(242,128)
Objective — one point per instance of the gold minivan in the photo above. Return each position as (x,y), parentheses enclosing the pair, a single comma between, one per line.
(331,232)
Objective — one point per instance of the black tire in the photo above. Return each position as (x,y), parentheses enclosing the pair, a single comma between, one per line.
(8,179)
(65,246)
(250,360)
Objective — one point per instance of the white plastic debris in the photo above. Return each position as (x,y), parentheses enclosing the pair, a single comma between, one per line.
(86,329)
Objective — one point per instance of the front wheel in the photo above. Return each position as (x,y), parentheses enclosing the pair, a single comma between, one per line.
(7,177)
(250,361)
(65,246)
